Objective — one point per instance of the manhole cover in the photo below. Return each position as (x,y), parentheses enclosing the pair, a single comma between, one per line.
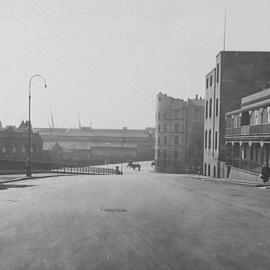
(113,210)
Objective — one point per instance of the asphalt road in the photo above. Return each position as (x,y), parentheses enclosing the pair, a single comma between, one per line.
(141,220)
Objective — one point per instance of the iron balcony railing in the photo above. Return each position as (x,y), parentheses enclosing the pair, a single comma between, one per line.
(248,130)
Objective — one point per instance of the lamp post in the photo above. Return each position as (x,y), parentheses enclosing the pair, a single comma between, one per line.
(28,164)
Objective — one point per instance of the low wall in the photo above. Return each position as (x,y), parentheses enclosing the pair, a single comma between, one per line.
(236,173)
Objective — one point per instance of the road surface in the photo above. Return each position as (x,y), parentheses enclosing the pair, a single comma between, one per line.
(141,220)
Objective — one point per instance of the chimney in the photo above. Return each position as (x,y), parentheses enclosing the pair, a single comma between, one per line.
(196,96)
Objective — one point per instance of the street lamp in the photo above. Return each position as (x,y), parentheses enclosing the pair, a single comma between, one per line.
(28,164)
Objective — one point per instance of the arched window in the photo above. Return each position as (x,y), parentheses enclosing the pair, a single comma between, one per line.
(209,170)
(264,116)
(252,118)
(268,114)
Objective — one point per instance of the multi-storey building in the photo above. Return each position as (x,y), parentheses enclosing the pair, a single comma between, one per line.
(248,135)
(236,74)
(179,134)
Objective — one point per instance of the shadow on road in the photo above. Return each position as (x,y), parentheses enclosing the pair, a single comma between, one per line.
(4,187)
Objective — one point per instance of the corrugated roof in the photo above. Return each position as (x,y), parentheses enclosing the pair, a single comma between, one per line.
(85,145)
(256,105)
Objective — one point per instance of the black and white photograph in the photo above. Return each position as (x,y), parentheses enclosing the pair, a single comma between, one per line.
(134,135)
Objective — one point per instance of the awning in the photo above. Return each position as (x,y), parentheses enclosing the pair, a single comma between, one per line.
(256,105)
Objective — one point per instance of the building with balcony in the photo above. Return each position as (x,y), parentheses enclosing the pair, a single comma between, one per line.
(236,75)
(179,134)
(248,133)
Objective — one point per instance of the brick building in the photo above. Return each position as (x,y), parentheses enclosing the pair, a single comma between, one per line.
(13,145)
(179,134)
(236,74)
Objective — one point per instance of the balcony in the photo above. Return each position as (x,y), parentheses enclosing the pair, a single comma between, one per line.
(254,130)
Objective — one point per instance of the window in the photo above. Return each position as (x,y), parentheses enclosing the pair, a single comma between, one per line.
(206,109)
(268,114)
(216,137)
(217,73)
(23,148)
(211,80)
(256,120)
(158,127)
(205,139)
(4,149)
(176,127)
(209,139)
(13,148)
(165,127)
(217,107)
(158,153)
(165,154)
(176,154)
(165,139)
(207,83)
(176,140)
(210,108)
(158,140)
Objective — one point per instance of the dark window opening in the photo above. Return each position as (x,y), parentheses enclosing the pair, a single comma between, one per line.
(210,108)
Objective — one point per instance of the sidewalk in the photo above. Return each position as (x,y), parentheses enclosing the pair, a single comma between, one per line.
(19,177)
(230,181)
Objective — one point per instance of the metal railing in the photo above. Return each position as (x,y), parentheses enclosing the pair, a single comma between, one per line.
(248,130)
(85,170)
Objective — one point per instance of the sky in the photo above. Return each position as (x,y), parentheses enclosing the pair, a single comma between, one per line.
(106,60)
